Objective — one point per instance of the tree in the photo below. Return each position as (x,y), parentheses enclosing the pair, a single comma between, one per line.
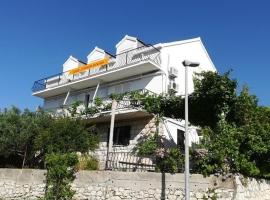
(239,142)
(17,133)
(236,129)
(66,135)
(213,95)
(26,137)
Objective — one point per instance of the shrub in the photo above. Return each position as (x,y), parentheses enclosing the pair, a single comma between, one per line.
(172,161)
(87,162)
(167,159)
(60,174)
(67,135)
(148,146)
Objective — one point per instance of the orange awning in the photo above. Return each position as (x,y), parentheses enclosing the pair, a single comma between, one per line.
(92,65)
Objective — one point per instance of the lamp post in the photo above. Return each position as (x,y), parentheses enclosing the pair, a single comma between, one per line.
(187,64)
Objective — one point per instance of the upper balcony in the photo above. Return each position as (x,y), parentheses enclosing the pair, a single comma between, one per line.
(144,59)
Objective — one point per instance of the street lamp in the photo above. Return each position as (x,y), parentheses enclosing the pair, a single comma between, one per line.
(187,64)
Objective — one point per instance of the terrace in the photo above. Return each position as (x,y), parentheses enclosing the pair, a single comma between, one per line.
(137,61)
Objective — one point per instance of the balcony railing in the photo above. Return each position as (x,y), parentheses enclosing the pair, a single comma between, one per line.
(143,53)
(122,161)
(125,103)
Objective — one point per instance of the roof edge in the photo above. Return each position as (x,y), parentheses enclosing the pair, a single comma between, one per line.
(197,39)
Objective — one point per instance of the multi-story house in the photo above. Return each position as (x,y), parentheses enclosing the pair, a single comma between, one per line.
(136,66)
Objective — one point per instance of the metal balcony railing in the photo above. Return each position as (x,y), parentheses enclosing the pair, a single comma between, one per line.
(123,103)
(125,161)
(143,53)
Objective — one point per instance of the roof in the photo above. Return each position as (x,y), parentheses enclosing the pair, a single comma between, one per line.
(100,50)
(74,59)
(127,37)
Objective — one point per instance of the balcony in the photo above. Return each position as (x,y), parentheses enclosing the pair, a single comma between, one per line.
(141,60)
(126,108)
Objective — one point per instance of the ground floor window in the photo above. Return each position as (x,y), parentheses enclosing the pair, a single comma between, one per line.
(121,135)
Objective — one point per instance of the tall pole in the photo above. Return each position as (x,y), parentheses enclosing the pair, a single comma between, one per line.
(187,64)
(186,137)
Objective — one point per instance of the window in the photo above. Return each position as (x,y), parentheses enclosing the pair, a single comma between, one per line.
(181,139)
(121,135)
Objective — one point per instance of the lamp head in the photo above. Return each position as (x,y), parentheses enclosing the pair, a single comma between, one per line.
(188,63)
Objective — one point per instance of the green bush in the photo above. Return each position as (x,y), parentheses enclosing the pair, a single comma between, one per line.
(87,162)
(147,147)
(61,169)
(172,162)
(167,159)
(67,135)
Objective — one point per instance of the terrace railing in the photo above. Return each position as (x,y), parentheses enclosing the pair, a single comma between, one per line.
(123,161)
(143,53)
(123,103)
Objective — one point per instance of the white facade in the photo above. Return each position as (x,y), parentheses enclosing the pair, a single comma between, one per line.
(174,53)
(136,66)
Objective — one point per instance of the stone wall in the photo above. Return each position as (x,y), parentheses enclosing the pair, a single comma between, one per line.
(21,184)
(29,184)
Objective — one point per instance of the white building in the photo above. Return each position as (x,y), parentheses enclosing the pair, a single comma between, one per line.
(136,66)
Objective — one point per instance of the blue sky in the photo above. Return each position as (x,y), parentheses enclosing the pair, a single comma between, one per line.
(36,36)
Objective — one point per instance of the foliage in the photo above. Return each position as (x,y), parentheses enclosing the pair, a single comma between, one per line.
(239,143)
(18,131)
(213,95)
(148,146)
(60,174)
(26,137)
(73,108)
(87,162)
(235,128)
(222,147)
(167,159)
(172,160)
(67,135)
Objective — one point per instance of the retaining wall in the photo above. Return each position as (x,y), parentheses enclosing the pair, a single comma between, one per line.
(29,184)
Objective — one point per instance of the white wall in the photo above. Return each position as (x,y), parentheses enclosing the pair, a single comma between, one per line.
(173,54)
(170,130)
(53,102)
(156,84)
